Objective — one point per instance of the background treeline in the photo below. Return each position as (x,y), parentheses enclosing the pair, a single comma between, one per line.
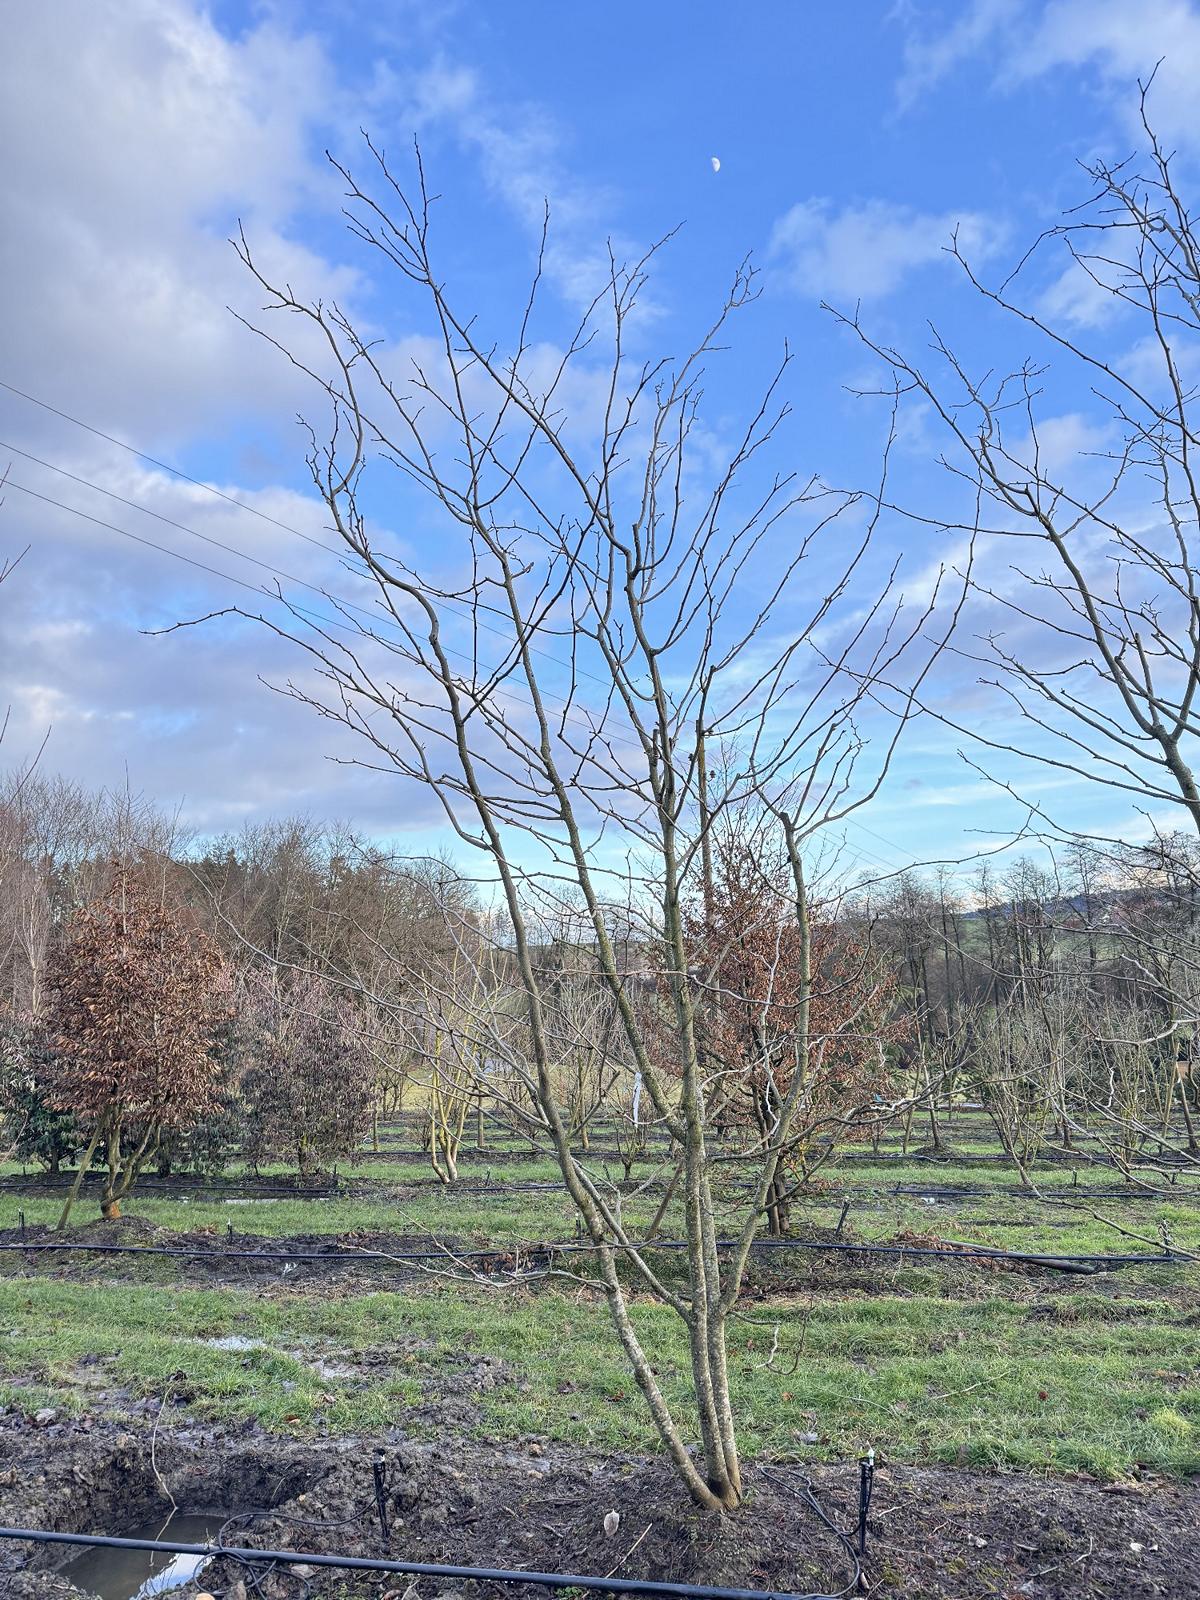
(270,996)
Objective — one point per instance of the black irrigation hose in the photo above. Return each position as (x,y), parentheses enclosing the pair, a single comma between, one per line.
(281,1255)
(1082,1264)
(419,1569)
(966,1158)
(805,1491)
(360,1189)
(1096,1263)
(186,1191)
(1053,1193)
(367,1188)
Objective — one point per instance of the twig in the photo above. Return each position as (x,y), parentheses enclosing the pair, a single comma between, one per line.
(630,1551)
(159,1479)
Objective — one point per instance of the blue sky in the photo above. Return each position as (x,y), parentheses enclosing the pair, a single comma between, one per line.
(852,141)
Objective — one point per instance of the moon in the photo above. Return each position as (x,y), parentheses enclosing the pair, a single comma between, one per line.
(716,163)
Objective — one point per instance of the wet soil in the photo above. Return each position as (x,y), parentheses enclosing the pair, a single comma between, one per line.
(935,1533)
(208,1257)
(117,1248)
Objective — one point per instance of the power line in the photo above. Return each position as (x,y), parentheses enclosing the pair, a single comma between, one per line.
(228,577)
(873,855)
(372,614)
(257,589)
(242,505)
(218,544)
(312,616)
(165,466)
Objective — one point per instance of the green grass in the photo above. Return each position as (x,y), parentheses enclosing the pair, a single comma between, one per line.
(1011,1220)
(483,1219)
(916,1376)
(930,1363)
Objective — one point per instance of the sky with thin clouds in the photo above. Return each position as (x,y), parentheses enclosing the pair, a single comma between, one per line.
(853,142)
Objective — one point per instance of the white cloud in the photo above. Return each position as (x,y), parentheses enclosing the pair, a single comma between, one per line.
(1121,43)
(520,151)
(128,159)
(1071,440)
(1075,297)
(865,251)
(931,54)
(1117,41)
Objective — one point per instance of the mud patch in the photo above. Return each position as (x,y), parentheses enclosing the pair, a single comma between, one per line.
(936,1533)
(70,1479)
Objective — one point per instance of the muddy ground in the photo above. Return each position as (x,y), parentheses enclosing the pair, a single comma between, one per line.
(208,1257)
(934,1533)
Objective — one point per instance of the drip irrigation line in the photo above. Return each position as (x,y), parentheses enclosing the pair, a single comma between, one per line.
(804,1491)
(594,1153)
(419,1569)
(1051,1194)
(286,1255)
(1059,1263)
(1096,1263)
(970,1158)
(181,1191)
(366,1188)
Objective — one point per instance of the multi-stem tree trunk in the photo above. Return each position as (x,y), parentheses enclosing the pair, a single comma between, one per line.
(450,1095)
(624,572)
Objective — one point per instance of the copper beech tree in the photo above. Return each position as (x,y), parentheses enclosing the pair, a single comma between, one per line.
(613,586)
(138,997)
(782,1017)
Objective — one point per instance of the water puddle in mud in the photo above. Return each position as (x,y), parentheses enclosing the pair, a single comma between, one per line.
(322,1368)
(142,1574)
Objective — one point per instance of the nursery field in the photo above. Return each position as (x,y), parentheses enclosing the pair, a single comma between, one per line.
(1034,1406)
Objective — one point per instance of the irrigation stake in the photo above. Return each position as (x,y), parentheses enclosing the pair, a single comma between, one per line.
(380,1475)
(866,1483)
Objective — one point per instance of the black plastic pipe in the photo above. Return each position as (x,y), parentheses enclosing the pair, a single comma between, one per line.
(287,1255)
(419,1569)
(1097,1263)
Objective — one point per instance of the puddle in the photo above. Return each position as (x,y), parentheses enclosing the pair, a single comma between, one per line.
(141,1574)
(322,1368)
(333,1369)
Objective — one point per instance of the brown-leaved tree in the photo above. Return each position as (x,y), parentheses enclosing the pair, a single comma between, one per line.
(139,995)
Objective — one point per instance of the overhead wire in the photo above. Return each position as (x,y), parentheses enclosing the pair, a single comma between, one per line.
(313,617)
(458,607)
(860,854)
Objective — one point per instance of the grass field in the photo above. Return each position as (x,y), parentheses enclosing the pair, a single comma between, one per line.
(951,1363)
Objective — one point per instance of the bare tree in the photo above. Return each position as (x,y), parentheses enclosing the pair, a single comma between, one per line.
(308,1087)
(1100,653)
(620,589)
